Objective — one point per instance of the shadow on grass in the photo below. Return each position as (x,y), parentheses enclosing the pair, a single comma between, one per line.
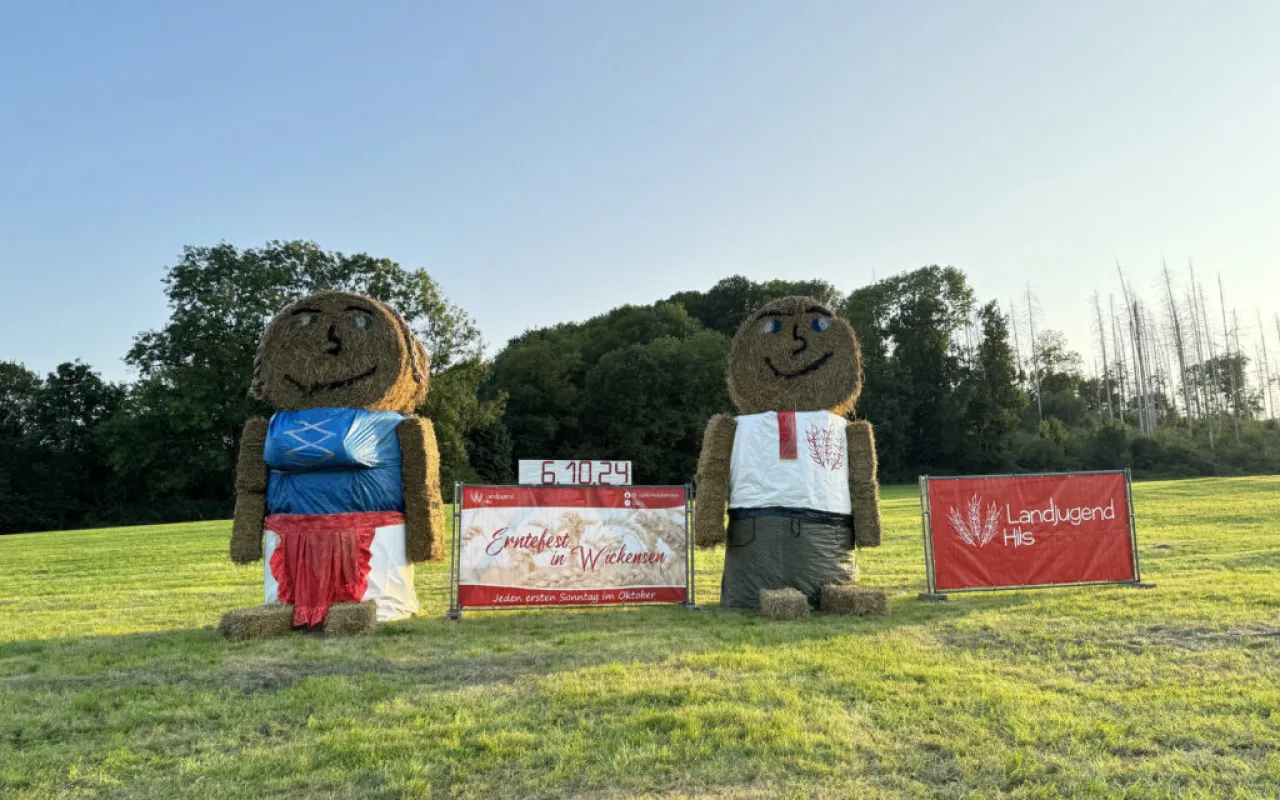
(435,654)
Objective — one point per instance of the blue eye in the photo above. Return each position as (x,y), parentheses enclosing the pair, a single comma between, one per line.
(820,324)
(771,325)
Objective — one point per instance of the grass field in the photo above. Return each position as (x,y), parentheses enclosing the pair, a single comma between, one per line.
(113,682)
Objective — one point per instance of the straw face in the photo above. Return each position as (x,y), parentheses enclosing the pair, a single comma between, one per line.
(794,354)
(340,349)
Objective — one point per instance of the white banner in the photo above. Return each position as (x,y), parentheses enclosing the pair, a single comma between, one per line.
(525,546)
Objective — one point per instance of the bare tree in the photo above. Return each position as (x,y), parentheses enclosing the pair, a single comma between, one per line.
(1244,380)
(1231,370)
(1117,346)
(1146,417)
(1213,354)
(1035,353)
(1017,349)
(1177,343)
(1106,372)
(1266,366)
(1204,398)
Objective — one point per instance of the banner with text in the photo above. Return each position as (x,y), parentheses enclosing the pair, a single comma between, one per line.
(562,545)
(1029,530)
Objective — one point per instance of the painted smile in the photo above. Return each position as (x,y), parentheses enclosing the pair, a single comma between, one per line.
(796,373)
(330,385)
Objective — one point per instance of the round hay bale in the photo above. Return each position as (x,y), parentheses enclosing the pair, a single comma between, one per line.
(257,623)
(853,600)
(793,353)
(340,349)
(784,604)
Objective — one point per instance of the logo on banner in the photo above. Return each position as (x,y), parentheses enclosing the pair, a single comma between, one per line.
(975,528)
(826,447)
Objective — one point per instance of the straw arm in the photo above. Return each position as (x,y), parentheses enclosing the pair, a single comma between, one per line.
(424,523)
(251,494)
(711,495)
(864,489)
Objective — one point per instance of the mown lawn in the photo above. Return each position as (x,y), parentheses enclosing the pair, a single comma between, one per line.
(113,682)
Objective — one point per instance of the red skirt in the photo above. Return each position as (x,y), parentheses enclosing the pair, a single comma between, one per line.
(323,559)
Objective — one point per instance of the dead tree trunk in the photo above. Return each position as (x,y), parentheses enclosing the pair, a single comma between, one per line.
(1266,366)
(1035,354)
(1106,372)
(1177,343)
(1117,346)
(1231,367)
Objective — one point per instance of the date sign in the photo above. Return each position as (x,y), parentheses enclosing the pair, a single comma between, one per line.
(575,473)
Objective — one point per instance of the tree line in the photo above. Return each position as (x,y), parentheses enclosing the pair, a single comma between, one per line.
(952,385)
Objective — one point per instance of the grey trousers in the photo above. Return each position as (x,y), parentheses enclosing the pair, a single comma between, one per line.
(777,552)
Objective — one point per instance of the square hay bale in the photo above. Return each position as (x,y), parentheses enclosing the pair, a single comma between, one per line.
(258,622)
(853,600)
(783,604)
(345,619)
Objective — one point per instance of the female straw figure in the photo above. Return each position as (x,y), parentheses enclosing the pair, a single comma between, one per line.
(342,484)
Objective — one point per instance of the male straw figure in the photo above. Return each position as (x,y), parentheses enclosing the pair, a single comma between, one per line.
(343,482)
(797,477)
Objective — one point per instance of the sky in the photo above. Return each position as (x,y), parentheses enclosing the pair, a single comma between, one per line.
(549,160)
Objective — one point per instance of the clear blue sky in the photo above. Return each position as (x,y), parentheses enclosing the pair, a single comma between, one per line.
(546,161)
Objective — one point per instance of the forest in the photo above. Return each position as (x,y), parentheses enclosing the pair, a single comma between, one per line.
(953,383)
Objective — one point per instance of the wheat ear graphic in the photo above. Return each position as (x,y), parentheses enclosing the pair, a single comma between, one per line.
(975,528)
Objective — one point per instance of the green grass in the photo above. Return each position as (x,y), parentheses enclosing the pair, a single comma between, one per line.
(113,682)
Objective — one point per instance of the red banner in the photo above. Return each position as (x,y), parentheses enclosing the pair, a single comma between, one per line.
(498,596)
(1030,530)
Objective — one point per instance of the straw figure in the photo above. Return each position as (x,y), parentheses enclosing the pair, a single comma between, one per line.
(797,477)
(341,486)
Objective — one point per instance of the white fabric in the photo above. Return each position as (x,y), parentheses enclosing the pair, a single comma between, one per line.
(818,478)
(270,541)
(390,574)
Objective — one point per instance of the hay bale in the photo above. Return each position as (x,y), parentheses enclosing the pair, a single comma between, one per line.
(424,522)
(251,494)
(345,619)
(853,600)
(769,371)
(784,604)
(341,349)
(257,623)
(712,491)
(864,490)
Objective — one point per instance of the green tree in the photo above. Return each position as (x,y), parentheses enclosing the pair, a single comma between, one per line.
(1061,373)
(995,402)
(905,326)
(21,461)
(492,454)
(18,388)
(649,403)
(454,408)
(723,307)
(543,373)
(54,471)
